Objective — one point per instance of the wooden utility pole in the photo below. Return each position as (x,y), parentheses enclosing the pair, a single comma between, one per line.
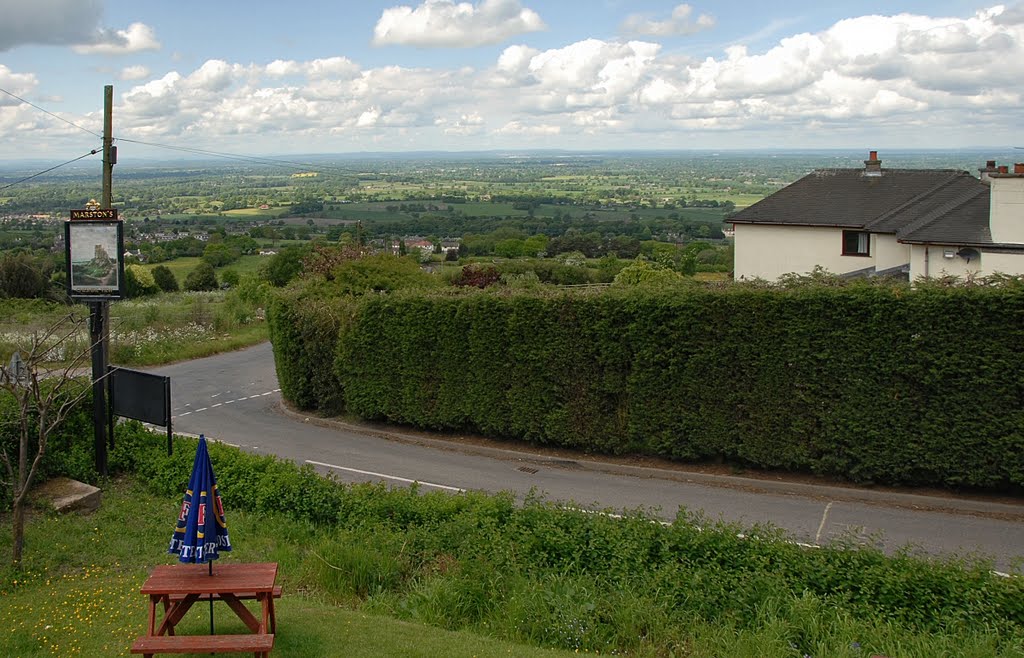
(99,318)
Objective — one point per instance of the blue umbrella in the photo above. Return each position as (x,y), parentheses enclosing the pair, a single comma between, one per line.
(202,530)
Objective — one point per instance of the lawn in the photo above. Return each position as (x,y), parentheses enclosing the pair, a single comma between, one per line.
(79,592)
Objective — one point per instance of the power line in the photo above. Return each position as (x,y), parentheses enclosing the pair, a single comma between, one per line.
(92,152)
(70,123)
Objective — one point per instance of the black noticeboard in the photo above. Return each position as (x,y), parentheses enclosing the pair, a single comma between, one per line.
(142,396)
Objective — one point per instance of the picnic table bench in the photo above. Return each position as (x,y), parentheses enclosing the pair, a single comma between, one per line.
(178,587)
(259,645)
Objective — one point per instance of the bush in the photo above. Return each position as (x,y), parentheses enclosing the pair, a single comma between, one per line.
(22,276)
(201,278)
(139,282)
(230,277)
(165,279)
(477,276)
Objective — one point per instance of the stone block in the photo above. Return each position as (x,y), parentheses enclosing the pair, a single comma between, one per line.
(67,495)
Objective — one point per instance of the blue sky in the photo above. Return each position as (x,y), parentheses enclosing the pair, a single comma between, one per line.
(327,76)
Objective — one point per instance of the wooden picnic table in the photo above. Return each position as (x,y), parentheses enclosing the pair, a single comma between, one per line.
(175,588)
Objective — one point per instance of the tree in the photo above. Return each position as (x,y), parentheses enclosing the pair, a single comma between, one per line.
(138,281)
(44,398)
(230,277)
(165,279)
(21,276)
(285,266)
(201,278)
(219,254)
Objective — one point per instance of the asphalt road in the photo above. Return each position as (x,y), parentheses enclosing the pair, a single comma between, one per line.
(235,398)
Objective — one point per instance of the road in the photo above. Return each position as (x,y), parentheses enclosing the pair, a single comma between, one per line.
(235,398)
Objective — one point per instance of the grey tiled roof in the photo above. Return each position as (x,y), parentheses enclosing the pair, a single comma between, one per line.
(848,198)
(962,220)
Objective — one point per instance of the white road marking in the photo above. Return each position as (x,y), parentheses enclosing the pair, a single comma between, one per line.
(203,409)
(219,404)
(821,526)
(386,477)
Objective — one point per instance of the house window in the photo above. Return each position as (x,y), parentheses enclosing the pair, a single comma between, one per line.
(856,243)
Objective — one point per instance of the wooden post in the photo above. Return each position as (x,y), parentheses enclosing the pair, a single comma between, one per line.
(99,319)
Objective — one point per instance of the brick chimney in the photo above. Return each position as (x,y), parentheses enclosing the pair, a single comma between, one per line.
(872,166)
(989,168)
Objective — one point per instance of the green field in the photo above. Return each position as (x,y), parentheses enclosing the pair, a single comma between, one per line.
(181,267)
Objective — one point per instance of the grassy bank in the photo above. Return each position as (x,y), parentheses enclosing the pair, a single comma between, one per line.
(79,592)
(524,574)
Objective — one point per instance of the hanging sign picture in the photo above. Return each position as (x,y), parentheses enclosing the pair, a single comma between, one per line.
(95,258)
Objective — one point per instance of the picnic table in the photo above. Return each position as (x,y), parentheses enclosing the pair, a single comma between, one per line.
(173,589)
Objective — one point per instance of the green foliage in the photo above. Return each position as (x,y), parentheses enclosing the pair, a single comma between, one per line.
(541,574)
(378,273)
(22,276)
(872,383)
(220,254)
(201,278)
(285,265)
(70,449)
(139,282)
(165,279)
(230,277)
(643,272)
(304,331)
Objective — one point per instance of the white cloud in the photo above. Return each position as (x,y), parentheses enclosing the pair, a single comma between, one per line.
(679,23)
(534,130)
(137,38)
(445,24)
(137,72)
(19,84)
(868,74)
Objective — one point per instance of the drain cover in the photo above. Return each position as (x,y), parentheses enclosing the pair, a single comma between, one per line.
(527,469)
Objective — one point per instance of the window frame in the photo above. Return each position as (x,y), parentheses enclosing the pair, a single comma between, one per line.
(867,247)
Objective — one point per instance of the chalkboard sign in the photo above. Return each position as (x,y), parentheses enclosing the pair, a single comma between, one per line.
(141,395)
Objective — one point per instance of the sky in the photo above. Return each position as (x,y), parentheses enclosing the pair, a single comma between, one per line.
(268,78)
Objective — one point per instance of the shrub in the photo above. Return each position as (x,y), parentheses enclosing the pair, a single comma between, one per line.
(139,282)
(22,276)
(201,278)
(165,279)
(477,276)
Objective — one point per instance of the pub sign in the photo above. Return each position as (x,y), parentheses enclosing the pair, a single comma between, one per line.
(94,250)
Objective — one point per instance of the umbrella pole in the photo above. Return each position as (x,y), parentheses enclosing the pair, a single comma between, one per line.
(210,564)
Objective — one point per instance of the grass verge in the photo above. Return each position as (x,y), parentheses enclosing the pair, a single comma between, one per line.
(78,594)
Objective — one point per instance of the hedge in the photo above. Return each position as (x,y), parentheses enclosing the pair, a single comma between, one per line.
(872,383)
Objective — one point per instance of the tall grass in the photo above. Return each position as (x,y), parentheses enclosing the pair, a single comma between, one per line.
(536,573)
(145,331)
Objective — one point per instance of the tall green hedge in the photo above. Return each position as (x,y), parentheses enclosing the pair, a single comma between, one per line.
(873,383)
(304,330)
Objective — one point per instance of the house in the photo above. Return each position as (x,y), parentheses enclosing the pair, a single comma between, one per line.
(876,221)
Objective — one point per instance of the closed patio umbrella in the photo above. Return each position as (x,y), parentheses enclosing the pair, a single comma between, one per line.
(202,531)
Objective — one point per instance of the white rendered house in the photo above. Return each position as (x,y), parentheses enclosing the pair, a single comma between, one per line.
(875,221)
